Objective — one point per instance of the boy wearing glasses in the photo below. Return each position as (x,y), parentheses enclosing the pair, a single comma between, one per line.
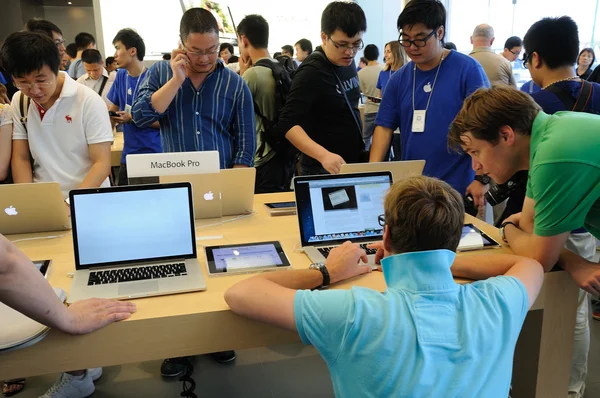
(425,95)
(200,104)
(321,117)
(67,131)
(425,335)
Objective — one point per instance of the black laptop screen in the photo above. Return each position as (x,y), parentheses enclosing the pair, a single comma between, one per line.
(134,224)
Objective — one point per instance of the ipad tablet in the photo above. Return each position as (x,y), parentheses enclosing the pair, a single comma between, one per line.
(245,258)
(473,238)
(281,208)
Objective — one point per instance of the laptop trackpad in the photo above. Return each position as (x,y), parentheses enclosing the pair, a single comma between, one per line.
(130,289)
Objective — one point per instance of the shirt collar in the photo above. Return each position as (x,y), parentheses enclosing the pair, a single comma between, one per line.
(69,88)
(482,50)
(104,73)
(426,271)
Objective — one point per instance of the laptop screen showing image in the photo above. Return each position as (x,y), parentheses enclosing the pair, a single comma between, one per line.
(337,208)
(131,225)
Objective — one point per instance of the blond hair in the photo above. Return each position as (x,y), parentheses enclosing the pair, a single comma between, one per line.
(398,53)
(423,213)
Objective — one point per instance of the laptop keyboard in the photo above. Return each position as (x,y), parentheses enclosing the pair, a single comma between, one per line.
(325,250)
(136,274)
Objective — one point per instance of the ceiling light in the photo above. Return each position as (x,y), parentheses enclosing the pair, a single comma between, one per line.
(69,3)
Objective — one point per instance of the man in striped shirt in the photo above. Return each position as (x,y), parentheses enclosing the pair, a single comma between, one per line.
(200,104)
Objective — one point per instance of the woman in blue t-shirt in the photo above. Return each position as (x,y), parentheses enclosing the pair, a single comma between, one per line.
(394,60)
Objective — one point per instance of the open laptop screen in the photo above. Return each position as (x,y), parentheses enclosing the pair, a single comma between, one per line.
(132,224)
(341,207)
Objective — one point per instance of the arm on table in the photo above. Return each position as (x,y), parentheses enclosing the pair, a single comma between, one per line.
(269,297)
(23,288)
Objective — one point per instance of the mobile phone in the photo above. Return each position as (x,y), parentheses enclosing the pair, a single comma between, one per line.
(113,113)
(375,100)
(281,208)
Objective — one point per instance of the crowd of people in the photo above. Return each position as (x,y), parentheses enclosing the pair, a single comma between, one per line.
(287,115)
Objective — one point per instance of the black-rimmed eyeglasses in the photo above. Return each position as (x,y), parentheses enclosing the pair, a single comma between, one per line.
(419,43)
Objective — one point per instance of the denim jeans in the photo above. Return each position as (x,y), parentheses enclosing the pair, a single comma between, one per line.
(369,129)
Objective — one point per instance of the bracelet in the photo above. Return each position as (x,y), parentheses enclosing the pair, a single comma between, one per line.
(503,226)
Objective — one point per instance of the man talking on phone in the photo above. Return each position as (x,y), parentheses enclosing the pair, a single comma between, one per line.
(200,104)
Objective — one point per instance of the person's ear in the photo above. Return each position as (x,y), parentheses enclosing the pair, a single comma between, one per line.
(507,135)
(536,60)
(323,38)
(387,239)
(492,42)
(441,32)
(471,38)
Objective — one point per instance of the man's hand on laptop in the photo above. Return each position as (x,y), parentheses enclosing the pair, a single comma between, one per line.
(344,261)
(380,253)
(89,315)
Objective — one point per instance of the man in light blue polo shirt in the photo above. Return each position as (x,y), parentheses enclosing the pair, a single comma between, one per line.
(425,336)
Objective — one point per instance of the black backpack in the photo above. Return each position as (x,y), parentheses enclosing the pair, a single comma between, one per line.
(283,84)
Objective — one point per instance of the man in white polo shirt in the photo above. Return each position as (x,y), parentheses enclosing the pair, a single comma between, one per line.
(67,131)
(96,77)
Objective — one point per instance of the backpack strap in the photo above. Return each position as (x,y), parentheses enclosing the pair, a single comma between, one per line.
(24,102)
(562,95)
(585,94)
(104,80)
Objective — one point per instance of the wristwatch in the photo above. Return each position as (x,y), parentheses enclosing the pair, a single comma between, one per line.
(321,267)
(484,179)
(504,224)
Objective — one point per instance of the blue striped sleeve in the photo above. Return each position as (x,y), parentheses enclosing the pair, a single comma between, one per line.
(143,112)
(244,128)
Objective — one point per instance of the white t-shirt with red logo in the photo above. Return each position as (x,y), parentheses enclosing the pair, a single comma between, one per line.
(59,140)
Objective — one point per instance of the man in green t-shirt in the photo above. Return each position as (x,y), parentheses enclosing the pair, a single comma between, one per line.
(505,131)
(253,40)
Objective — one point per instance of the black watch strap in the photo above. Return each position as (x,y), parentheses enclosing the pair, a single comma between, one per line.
(321,267)
(484,179)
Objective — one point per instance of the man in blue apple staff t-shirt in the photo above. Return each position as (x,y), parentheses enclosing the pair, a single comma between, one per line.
(130,51)
(424,97)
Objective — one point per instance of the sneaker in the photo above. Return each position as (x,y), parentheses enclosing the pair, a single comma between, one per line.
(223,356)
(172,367)
(68,386)
(577,394)
(95,373)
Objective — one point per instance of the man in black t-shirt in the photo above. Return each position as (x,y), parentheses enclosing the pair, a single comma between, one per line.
(318,119)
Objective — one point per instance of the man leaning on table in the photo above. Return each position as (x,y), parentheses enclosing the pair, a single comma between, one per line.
(425,335)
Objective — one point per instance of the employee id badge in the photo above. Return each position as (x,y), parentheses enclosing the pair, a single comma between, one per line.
(128,109)
(418,125)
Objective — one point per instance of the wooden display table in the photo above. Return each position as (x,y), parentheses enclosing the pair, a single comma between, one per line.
(201,322)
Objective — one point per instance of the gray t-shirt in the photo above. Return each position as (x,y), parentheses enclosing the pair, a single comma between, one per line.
(367,78)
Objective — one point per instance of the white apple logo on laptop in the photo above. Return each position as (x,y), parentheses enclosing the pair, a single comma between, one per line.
(11,211)
(209,196)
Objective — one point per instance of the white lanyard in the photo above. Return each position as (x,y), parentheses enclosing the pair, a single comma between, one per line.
(137,84)
(432,88)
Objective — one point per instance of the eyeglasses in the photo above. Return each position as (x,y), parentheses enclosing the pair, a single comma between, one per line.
(345,47)
(59,42)
(514,52)
(209,53)
(525,60)
(381,219)
(29,86)
(418,42)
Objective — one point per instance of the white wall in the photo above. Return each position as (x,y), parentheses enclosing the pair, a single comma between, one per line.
(382,16)
(72,20)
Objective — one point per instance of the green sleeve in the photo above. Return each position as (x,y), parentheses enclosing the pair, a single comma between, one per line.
(251,78)
(564,193)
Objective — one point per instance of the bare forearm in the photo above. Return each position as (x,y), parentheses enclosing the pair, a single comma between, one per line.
(23,288)
(298,137)
(96,176)
(382,139)
(483,266)
(21,170)
(519,241)
(293,279)
(162,98)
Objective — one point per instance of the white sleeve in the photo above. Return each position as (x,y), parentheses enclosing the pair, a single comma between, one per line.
(96,123)
(19,132)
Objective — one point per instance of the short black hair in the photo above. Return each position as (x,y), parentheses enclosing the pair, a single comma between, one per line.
(110,60)
(555,40)
(42,25)
(130,38)
(364,60)
(166,56)
(450,46)
(276,54)
(371,52)
(71,50)
(226,46)
(91,56)
(256,30)
(430,13)
(27,52)
(288,49)
(589,50)
(233,59)
(305,45)
(345,16)
(512,42)
(197,20)
(83,40)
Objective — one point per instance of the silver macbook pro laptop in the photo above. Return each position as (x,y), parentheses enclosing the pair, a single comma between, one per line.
(335,208)
(134,241)
(29,208)
(236,187)
(400,170)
